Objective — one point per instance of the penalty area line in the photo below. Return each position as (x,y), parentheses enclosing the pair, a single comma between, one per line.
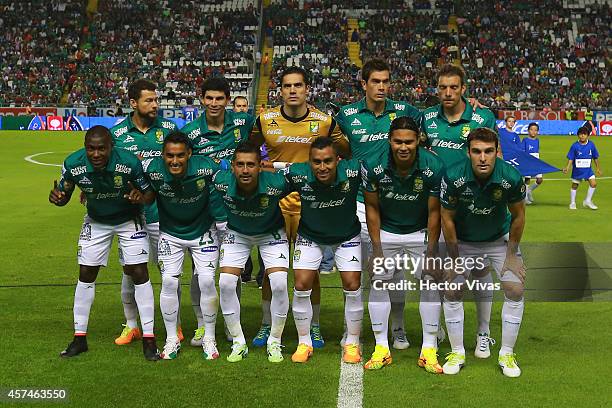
(569,179)
(350,385)
(30,159)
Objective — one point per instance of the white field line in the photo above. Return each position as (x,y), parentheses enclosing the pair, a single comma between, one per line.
(30,159)
(350,385)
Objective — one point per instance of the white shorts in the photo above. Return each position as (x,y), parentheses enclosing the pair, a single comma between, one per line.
(577,181)
(204,252)
(308,254)
(236,249)
(96,239)
(410,247)
(153,231)
(494,254)
(221,227)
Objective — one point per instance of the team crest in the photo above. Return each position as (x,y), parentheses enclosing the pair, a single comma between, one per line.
(314,127)
(118,181)
(159,136)
(465,130)
(296,255)
(392,116)
(497,194)
(237,134)
(200,184)
(345,186)
(418,184)
(264,202)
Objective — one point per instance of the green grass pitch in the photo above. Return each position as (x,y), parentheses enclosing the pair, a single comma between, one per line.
(563,347)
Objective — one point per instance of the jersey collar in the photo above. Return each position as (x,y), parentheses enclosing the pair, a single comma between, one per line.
(390,165)
(466,116)
(363,107)
(496,176)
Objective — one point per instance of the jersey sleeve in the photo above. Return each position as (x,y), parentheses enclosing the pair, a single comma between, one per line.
(335,131)
(340,119)
(448,193)
(369,181)
(490,121)
(256,131)
(138,175)
(433,181)
(571,154)
(517,192)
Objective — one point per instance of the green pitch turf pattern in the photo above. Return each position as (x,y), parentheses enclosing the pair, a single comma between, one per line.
(562,347)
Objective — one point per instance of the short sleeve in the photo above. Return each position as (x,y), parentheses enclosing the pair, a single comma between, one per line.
(448,193)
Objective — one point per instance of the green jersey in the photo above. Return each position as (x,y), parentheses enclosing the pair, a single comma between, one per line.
(403,201)
(328,213)
(144,145)
(236,127)
(481,211)
(368,133)
(258,213)
(105,188)
(449,140)
(184,210)
(219,145)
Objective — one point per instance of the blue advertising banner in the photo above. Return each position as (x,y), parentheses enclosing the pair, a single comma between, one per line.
(547,127)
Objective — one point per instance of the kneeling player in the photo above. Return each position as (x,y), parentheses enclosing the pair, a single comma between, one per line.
(181,183)
(483,216)
(328,193)
(254,219)
(403,215)
(579,157)
(107,177)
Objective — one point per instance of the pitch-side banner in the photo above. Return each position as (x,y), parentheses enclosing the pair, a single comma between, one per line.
(28,111)
(532,114)
(547,127)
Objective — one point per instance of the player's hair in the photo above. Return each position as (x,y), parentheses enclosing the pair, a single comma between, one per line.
(136,88)
(372,65)
(322,142)
(295,70)
(584,130)
(511,117)
(404,122)
(533,124)
(247,146)
(452,70)
(240,97)
(177,137)
(98,131)
(484,135)
(216,84)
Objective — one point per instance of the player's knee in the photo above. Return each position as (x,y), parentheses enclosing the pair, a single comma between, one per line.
(352,284)
(453,295)
(513,291)
(226,286)
(170,284)
(138,272)
(207,283)
(88,274)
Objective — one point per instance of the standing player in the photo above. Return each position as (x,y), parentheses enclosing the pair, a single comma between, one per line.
(366,125)
(190,112)
(403,214)
(531,145)
(483,217)
(328,190)
(447,126)
(251,201)
(215,134)
(181,183)
(579,157)
(107,176)
(141,133)
(287,131)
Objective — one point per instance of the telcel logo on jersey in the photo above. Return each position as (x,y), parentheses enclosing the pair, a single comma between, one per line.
(402,197)
(447,144)
(145,154)
(327,204)
(374,137)
(294,139)
(480,211)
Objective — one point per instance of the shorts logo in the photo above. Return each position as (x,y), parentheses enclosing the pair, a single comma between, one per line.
(277,242)
(143,252)
(139,234)
(418,184)
(296,255)
(229,239)
(118,181)
(85,234)
(213,248)
(354,259)
(281,256)
(350,244)
(159,136)
(163,248)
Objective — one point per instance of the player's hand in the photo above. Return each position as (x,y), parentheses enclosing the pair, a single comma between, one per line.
(375,262)
(598,172)
(134,196)
(56,196)
(431,268)
(514,264)
(267,164)
(564,170)
(476,104)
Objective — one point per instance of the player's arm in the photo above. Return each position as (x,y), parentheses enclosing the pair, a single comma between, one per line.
(256,136)
(571,155)
(597,168)
(140,191)
(61,193)
(372,208)
(433,225)
(340,141)
(568,166)
(448,210)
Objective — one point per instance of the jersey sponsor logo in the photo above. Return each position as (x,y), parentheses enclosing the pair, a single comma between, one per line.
(428,172)
(145,154)
(477,118)
(78,170)
(432,126)
(273,191)
(350,111)
(481,211)
(105,196)
(351,173)
(239,122)
(128,139)
(447,144)
(156,176)
(132,148)
(274,132)
(374,137)
(505,184)
(350,244)
(86,189)
(431,115)
(195,133)
(432,134)
(358,132)
(459,182)
(399,106)
(307,197)
(121,131)
(212,248)
(378,169)
(319,116)
(402,197)
(271,115)
(327,204)
(122,168)
(224,153)
(293,139)
(205,172)
(139,235)
(356,122)
(168,125)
